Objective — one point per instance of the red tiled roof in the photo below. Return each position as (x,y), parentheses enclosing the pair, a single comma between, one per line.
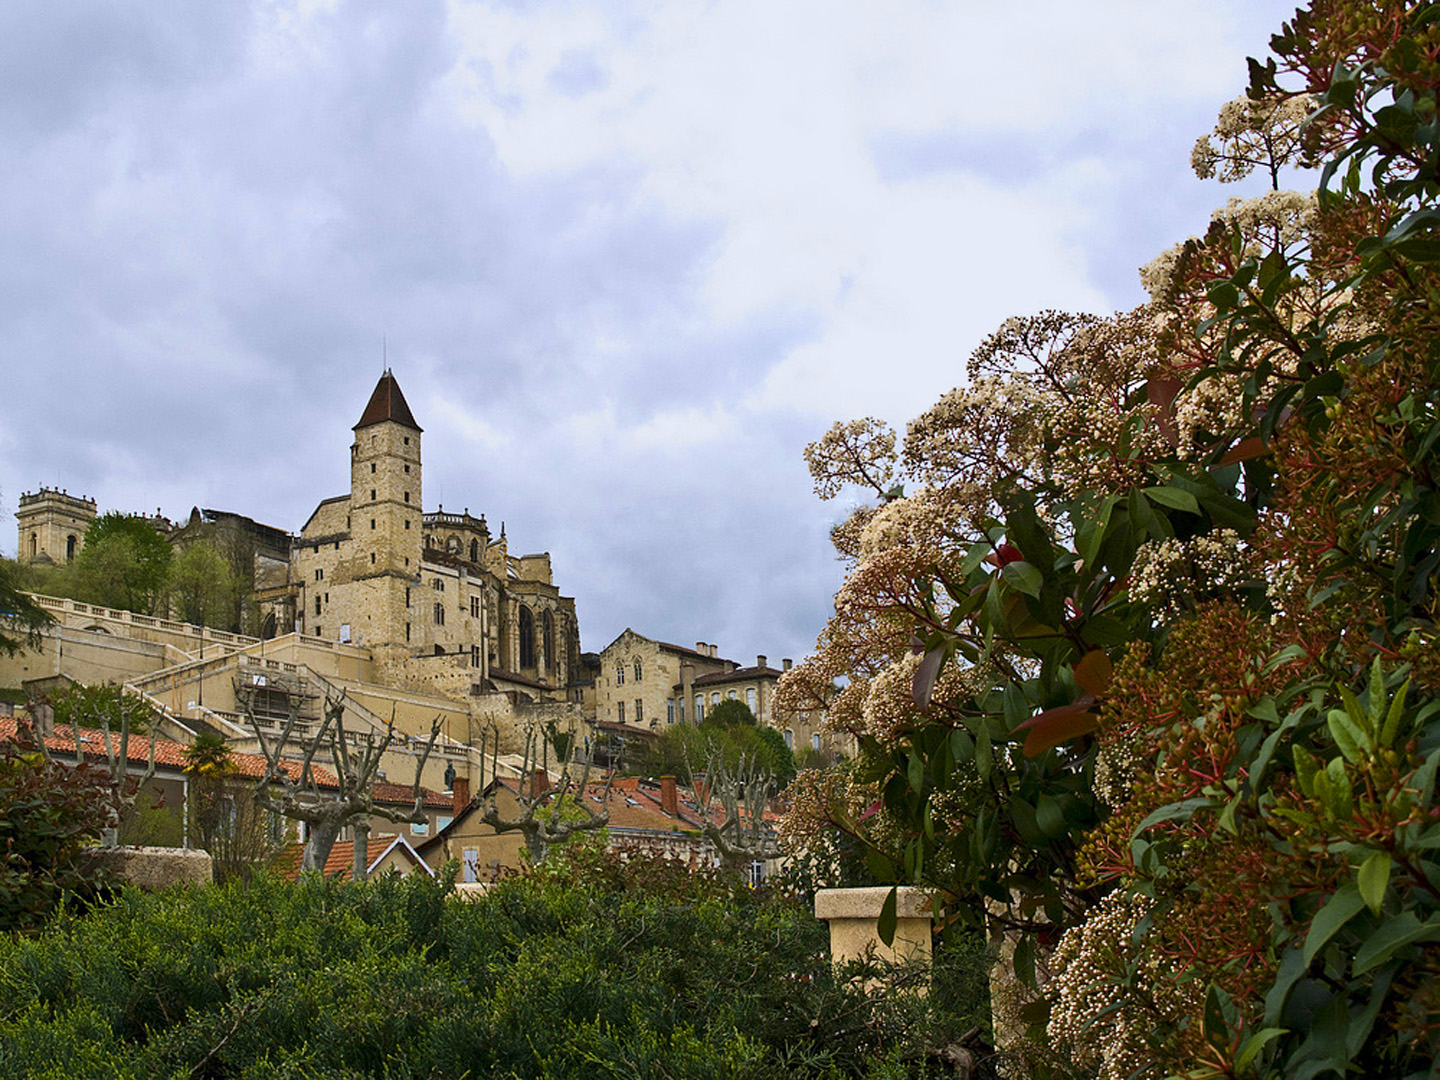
(387,403)
(171,755)
(341,860)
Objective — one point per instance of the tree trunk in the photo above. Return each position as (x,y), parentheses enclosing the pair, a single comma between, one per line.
(361,864)
(535,844)
(317,849)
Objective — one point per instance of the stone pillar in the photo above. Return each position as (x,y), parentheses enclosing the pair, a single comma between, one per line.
(854,918)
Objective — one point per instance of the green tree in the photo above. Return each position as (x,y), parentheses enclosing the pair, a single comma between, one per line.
(21,618)
(1139,633)
(202,587)
(125,563)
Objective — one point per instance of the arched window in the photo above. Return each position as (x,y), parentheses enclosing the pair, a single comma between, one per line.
(527,638)
(637,669)
(474,550)
(70,543)
(439,614)
(547,638)
(453,545)
(619,674)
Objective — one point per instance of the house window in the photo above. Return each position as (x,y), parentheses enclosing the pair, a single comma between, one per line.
(419,828)
(472,864)
(319,630)
(790,738)
(620,710)
(317,605)
(320,575)
(815,741)
(750,698)
(619,674)
(731,695)
(437,584)
(715,698)
(474,655)
(670,710)
(439,614)
(474,607)
(639,711)
(637,670)
(699,708)
(680,710)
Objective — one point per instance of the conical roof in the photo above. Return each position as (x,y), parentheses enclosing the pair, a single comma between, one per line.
(387,403)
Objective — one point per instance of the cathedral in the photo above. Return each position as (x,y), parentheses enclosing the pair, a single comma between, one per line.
(434,596)
(435,599)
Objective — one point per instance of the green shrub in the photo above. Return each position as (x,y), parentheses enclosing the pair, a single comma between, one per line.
(590,968)
(48,812)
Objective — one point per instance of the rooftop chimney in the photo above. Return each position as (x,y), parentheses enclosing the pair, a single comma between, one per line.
(700,648)
(669,799)
(785,664)
(539,783)
(714,649)
(461,795)
(760,660)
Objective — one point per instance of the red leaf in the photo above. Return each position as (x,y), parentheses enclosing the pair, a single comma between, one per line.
(1162,391)
(1093,672)
(1245,449)
(1052,727)
(871,810)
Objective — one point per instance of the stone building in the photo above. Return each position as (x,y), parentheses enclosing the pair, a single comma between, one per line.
(52,525)
(438,601)
(644,685)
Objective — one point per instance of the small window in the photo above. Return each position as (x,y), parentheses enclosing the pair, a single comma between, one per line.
(474,655)
(372,494)
(372,468)
(474,607)
(372,558)
(815,741)
(715,698)
(670,710)
(637,670)
(620,710)
(731,695)
(474,550)
(407,468)
(317,605)
(619,674)
(407,631)
(407,523)
(699,708)
(372,523)
(407,496)
(439,614)
(320,574)
(319,630)
(639,711)
(790,738)
(407,595)
(750,698)
(419,828)
(407,440)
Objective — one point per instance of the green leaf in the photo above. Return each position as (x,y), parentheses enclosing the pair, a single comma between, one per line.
(1255,1044)
(1024,960)
(1338,910)
(1175,811)
(887,922)
(1305,769)
(1391,727)
(983,759)
(915,773)
(1024,576)
(1373,879)
(1174,498)
(1050,817)
(1394,934)
(1347,736)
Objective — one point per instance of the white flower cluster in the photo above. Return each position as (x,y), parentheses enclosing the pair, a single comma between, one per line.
(1094,1015)
(1206,411)
(1172,574)
(1253,134)
(1276,219)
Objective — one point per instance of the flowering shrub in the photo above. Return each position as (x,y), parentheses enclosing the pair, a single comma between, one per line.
(1139,637)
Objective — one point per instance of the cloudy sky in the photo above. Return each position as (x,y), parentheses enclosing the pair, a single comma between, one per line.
(627,258)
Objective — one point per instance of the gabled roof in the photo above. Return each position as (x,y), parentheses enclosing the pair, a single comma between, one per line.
(341,860)
(387,403)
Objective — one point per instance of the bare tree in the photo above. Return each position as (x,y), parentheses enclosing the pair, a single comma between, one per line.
(547,812)
(356,760)
(741,787)
(117,757)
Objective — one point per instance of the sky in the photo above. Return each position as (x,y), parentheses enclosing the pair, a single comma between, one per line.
(625,259)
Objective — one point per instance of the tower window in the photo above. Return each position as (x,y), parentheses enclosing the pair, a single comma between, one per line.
(317,605)
(619,674)
(407,440)
(320,574)
(439,614)
(372,523)
(407,523)
(407,468)
(407,631)
(372,468)
(637,670)
(372,558)
(372,494)
(70,542)
(474,550)
(527,637)
(407,496)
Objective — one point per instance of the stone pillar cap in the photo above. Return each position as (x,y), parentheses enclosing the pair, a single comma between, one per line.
(865,903)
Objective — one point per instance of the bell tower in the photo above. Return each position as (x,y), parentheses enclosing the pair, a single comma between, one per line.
(385,517)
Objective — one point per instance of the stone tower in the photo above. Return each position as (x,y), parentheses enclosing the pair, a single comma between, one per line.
(52,525)
(385,522)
